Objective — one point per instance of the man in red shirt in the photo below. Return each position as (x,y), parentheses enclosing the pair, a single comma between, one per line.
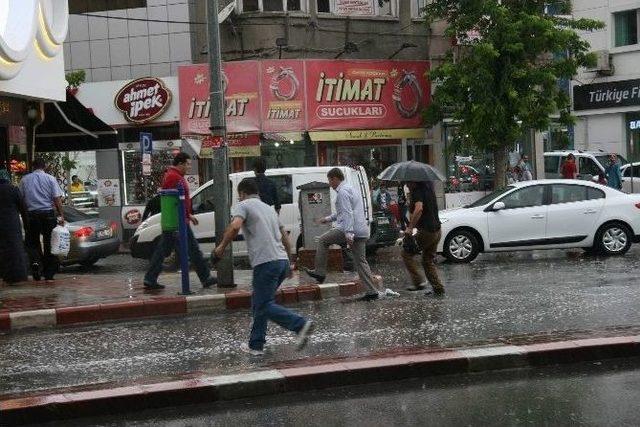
(173,177)
(569,169)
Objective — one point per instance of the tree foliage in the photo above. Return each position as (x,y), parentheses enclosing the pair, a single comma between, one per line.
(502,78)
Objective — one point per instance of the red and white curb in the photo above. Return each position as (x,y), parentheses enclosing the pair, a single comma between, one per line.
(164,306)
(303,378)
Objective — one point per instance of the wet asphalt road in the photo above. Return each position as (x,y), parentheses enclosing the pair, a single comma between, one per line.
(594,394)
(494,297)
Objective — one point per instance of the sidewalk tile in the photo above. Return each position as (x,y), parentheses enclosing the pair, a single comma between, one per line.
(349,289)
(248,384)
(497,357)
(179,392)
(329,290)
(82,314)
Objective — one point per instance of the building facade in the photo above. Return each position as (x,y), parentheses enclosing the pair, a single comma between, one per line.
(606,98)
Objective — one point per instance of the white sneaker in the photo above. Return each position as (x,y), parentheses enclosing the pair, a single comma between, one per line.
(303,335)
(244,347)
(388,293)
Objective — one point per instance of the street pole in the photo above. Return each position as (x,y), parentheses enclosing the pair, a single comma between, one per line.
(220,164)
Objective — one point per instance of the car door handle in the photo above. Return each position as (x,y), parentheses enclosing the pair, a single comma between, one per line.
(538,216)
(590,211)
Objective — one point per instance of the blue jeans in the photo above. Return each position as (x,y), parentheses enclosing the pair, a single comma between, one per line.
(169,242)
(267,278)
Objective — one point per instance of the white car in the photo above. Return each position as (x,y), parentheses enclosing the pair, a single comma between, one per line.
(544,214)
(287,180)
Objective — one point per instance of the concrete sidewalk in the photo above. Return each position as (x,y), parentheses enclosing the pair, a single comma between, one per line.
(104,297)
(312,375)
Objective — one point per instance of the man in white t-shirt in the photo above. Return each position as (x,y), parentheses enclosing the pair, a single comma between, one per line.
(269,248)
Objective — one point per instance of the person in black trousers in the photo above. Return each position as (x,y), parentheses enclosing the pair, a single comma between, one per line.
(43,197)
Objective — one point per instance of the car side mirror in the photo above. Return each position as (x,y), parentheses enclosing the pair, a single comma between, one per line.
(498,206)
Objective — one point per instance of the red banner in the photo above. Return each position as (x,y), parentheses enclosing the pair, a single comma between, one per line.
(298,95)
(241,94)
(283,94)
(344,95)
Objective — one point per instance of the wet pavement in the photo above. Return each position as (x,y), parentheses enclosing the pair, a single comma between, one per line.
(594,394)
(493,299)
(116,279)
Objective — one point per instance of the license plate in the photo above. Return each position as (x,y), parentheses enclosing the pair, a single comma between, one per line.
(383,221)
(103,234)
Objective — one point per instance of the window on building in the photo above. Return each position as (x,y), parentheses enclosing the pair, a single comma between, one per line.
(378,7)
(626,27)
(323,6)
(271,5)
(417,7)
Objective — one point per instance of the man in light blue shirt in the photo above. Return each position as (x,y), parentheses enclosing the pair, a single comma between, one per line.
(43,197)
(350,229)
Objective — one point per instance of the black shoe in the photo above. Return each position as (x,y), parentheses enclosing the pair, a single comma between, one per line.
(313,274)
(35,272)
(153,286)
(434,294)
(210,282)
(368,297)
(416,288)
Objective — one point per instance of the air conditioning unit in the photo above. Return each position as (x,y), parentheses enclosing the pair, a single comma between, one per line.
(603,63)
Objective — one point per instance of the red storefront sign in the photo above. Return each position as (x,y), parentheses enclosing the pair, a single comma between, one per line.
(344,95)
(283,95)
(241,93)
(298,95)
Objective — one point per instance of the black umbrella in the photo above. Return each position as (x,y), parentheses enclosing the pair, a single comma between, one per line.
(411,171)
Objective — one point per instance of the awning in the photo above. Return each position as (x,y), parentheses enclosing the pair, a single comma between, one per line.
(70,126)
(351,135)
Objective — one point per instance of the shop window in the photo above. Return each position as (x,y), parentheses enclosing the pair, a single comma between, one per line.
(271,5)
(137,187)
(626,27)
(285,188)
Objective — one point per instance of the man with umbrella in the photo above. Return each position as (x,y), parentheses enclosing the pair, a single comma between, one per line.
(424,217)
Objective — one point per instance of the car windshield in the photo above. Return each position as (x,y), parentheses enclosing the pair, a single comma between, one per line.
(604,160)
(489,197)
(74,215)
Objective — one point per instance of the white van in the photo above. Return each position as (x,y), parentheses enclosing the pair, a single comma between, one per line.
(287,180)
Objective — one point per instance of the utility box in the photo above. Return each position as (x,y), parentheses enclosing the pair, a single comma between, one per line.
(314,203)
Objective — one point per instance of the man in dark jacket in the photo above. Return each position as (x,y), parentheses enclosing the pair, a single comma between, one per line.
(266,188)
(424,217)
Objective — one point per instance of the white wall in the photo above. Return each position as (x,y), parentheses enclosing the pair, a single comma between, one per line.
(115,49)
(601,132)
(99,96)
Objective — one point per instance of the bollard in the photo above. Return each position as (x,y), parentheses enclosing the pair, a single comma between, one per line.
(183,249)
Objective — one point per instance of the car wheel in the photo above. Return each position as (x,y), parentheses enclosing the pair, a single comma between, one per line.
(461,246)
(613,239)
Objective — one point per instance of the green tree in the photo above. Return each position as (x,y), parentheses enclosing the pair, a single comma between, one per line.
(502,77)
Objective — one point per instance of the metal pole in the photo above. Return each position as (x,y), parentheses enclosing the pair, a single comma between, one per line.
(183,250)
(220,164)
